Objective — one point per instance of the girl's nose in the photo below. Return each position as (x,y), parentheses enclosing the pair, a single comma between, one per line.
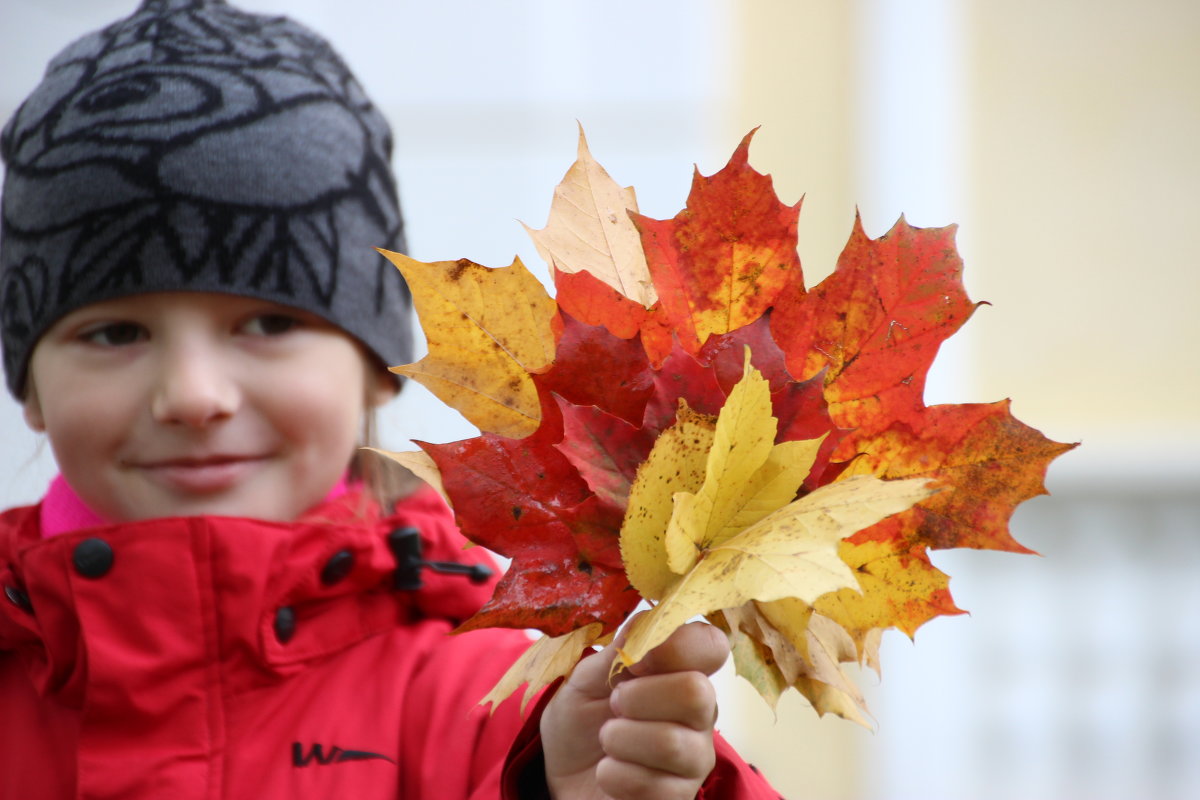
(194,390)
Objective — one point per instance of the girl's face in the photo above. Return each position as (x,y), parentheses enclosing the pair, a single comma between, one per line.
(181,403)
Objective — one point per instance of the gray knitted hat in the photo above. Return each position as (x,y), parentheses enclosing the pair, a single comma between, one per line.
(193,146)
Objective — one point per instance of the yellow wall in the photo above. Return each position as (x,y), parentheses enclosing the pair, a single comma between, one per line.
(1085,197)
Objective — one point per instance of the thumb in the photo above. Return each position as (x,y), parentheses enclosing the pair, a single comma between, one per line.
(696,646)
(591,676)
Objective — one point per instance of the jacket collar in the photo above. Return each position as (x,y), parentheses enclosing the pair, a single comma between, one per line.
(259,598)
(62,510)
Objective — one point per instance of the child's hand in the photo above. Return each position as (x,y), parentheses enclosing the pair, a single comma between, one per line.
(650,735)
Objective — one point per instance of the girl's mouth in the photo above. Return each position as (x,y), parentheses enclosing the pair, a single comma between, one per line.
(202,476)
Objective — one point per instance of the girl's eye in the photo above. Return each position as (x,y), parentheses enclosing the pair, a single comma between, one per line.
(271,324)
(115,334)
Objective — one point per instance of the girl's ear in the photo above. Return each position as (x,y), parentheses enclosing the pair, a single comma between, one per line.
(32,409)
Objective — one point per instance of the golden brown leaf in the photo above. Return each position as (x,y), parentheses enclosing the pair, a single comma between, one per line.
(896,589)
(991,459)
(487,329)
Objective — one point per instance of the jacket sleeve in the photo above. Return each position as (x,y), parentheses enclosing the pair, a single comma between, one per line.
(524,770)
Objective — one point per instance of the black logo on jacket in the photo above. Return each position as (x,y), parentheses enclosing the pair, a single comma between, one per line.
(336,755)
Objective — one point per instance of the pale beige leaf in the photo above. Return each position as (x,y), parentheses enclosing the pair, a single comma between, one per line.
(805,650)
(419,463)
(546,660)
(870,650)
(833,639)
(786,654)
(755,666)
(827,686)
(804,643)
(826,699)
(487,329)
(676,462)
(827,647)
(790,553)
(589,230)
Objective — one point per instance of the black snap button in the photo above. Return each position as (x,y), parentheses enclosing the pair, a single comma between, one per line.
(337,567)
(93,558)
(18,598)
(285,624)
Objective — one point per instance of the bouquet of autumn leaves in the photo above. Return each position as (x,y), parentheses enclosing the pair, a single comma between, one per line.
(686,424)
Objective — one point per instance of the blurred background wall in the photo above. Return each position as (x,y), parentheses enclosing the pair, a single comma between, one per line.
(1062,137)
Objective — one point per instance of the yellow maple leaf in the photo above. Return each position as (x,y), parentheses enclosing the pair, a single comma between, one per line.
(487,330)
(701,539)
(790,553)
(746,477)
(676,462)
(589,230)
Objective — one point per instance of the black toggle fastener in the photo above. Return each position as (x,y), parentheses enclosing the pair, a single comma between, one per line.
(405,544)
(18,598)
(285,624)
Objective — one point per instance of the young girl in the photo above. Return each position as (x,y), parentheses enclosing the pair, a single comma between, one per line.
(215,599)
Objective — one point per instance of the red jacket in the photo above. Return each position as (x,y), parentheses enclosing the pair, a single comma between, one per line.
(205,657)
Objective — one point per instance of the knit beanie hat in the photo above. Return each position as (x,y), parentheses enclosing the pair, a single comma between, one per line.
(196,147)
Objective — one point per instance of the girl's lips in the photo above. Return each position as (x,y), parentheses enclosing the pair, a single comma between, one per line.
(202,477)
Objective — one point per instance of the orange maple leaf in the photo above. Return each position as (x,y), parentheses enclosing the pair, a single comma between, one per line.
(723,260)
